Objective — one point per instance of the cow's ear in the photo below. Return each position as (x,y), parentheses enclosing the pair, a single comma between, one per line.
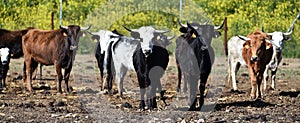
(135,34)
(217,34)
(64,31)
(286,37)
(183,29)
(268,45)
(246,45)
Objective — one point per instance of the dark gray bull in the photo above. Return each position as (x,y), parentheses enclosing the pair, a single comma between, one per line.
(194,57)
(207,32)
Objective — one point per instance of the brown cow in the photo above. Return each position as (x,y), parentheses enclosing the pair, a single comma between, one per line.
(257,52)
(55,47)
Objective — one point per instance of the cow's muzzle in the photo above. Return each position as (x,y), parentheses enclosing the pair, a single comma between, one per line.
(73,47)
(254,59)
(147,52)
(4,62)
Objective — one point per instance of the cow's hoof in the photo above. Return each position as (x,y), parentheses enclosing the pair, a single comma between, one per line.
(142,105)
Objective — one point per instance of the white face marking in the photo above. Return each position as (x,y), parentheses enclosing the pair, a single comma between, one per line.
(146,34)
(105,39)
(4,52)
(277,38)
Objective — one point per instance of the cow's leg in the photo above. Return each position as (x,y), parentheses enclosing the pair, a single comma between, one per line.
(41,71)
(5,74)
(142,86)
(155,84)
(1,78)
(27,78)
(273,75)
(179,77)
(122,75)
(253,83)
(66,77)
(233,70)
(265,78)
(259,87)
(192,93)
(59,78)
(24,73)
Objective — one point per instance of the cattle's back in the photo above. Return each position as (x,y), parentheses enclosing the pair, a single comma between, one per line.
(45,46)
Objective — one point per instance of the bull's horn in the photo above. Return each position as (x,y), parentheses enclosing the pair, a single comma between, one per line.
(92,33)
(205,23)
(180,23)
(127,28)
(219,27)
(86,28)
(291,30)
(270,33)
(244,38)
(162,31)
(65,27)
(262,28)
(170,38)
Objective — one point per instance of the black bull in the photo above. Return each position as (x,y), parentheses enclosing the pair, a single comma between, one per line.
(194,58)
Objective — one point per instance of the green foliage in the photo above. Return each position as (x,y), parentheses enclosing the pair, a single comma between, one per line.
(246,16)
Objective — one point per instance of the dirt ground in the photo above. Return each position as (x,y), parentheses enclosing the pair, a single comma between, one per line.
(88,104)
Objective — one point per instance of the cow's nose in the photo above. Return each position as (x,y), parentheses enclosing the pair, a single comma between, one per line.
(147,52)
(4,62)
(254,59)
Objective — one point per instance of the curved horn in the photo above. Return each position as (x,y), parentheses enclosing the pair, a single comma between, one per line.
(205,23)
(65,27)
(170,38)
(92,33)
(291,30)
(86,28)
(180,23)
(162,31)
(244,38)
(219,27)
(127,28)
(262,28)
(270,33)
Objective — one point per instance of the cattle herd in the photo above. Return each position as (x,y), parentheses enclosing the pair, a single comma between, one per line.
(144,52)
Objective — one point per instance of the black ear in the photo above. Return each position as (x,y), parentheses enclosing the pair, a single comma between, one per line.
(96,37)
(116,32)
(286,37)
(183,29)
(193,30)
(135,34)
(217,34)
(64,31)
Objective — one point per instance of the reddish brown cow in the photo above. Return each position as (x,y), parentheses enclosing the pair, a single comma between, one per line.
(55,47)
(257,52)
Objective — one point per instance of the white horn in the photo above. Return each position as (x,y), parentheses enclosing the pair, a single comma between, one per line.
(219,27)
(291,30)
(243,38)
(65,27)
(180,23)
(162,31)
(170,38)
(86,28)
